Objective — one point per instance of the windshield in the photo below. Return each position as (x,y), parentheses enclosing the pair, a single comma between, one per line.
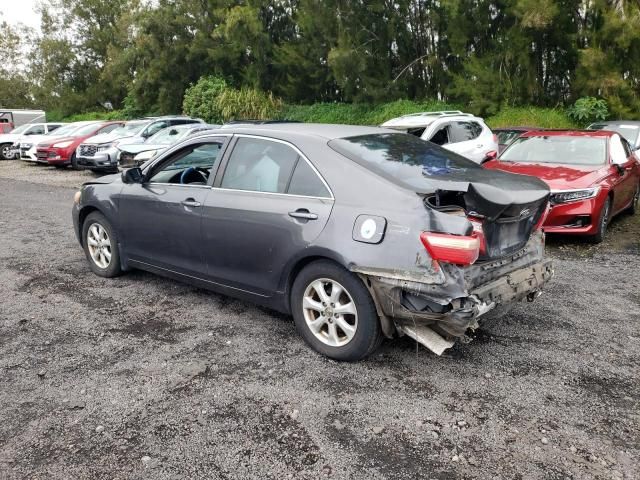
(402,158)
(505,137)
(64,130)
(168,135)
(87,129)
(571,150)
(630,132)
(129,129)
(21,128)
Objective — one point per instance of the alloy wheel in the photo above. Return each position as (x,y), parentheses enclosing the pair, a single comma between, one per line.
(99,245)
(330,312)
(6,152)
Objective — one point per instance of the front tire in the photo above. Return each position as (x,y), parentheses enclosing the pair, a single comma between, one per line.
(100,242)
(74,161)
(334,312)
(603,222)
(635,203)
(5,148)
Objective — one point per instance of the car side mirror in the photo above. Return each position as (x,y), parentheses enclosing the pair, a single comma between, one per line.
(492,155)
(132,175)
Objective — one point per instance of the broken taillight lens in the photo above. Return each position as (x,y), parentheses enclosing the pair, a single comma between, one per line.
(458,249)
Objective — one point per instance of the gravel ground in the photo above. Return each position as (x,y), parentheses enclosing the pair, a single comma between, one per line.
(144,377)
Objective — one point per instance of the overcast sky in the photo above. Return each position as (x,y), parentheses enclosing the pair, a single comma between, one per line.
(20,11)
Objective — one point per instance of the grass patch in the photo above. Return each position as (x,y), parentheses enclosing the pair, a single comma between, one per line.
(532,117)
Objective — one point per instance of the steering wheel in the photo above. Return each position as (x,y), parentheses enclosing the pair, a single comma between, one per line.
(193,175)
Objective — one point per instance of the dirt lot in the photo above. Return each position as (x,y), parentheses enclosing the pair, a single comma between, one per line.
(143,377)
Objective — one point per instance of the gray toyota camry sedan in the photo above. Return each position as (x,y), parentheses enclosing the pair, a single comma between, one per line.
(359,233)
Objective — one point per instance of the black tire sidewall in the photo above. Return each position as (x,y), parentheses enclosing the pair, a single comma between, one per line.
(368,333)
(113,269)
(599,236)
(2,147)
(73,161)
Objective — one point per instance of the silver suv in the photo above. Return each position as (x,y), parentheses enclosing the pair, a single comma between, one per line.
(454,130)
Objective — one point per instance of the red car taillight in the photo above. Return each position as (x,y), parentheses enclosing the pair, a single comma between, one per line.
(458,249)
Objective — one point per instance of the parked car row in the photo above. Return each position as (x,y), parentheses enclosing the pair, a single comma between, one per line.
(91,144)
(593,174)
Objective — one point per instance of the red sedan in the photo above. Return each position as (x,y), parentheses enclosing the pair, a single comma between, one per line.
(593,175)
(61,151)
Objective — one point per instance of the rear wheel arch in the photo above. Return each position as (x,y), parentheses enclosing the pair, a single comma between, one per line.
(299,265)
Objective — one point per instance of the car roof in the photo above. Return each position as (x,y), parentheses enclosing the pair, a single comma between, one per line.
(423,119)
(568,133)
(317,130)
(617,122)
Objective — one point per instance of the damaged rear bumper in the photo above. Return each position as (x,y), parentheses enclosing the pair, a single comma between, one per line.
(392,297)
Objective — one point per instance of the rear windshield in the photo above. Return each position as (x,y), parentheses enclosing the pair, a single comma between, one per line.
(630,132)
(402,158)
(572,150)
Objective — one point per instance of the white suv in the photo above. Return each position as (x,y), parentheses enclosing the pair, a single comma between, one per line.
(459,132)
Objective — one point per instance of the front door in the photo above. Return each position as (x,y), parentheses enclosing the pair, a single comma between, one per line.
(268,204)
(624,178)
(161,218)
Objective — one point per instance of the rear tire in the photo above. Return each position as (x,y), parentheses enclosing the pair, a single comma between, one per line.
(74,161)
(100,242)
(334,312)
(603,222)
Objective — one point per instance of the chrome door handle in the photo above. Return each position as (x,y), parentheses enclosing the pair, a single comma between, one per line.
(304,214)
(190,202)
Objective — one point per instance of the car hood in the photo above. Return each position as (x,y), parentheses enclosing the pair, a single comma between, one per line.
(556,176)
(11,137)
(37,139)
(141,147)
(48,141)
(106,179)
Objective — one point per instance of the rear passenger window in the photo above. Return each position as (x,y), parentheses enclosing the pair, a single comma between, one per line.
(465,131)
(305,181)
(260,166)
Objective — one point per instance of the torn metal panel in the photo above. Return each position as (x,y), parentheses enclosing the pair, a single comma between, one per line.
(427,337)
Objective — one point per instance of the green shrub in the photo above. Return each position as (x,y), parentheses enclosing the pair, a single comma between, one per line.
(248,103)
(360,113)
(531,117)
(102,115)
(588,109)
(201,99)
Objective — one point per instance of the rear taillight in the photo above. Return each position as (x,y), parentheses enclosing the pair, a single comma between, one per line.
(458,249)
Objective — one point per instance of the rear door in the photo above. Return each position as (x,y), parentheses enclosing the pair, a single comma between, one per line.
(466,140)
(268,203)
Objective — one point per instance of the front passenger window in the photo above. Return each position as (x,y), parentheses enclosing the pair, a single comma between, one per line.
(190,166)
(260,166)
